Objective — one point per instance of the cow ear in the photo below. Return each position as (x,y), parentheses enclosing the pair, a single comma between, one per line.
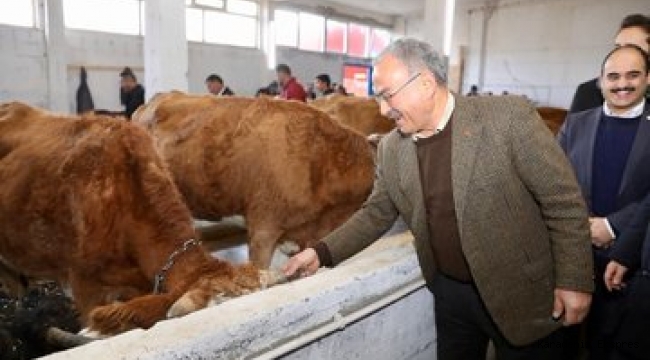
(374,139)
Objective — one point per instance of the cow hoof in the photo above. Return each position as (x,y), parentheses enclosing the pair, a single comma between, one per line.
(183,306)
(269,278)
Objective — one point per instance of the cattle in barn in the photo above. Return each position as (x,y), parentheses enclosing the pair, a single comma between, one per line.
(359,113)
(553,117)
(88,202)
(289,169)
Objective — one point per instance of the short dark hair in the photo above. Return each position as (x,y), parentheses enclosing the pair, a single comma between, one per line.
(641,52)
(214,77)
(325,78)
(637,20)
(283,68)
(127,72)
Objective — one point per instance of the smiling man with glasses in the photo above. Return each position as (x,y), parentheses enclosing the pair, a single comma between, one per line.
(499,224)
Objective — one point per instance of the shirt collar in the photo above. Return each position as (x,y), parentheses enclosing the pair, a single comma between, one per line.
(636,111)
(446,115)
(444,120)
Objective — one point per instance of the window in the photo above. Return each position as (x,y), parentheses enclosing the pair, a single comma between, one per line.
(232,22)
(242,7)
(336,39)
(17,12)
(286,27)
(115,16)
(217,4)
(194,24)
(357,40)
(230,29)
(312,32)
(379,39)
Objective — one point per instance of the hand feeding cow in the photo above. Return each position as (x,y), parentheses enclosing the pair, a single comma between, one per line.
(288,168)
(88,201)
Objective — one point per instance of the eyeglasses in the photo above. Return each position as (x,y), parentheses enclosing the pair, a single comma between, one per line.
(386,96)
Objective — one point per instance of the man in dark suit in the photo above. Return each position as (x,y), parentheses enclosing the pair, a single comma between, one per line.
(609,148)
(499,224)
(634,29)
(631,254)
(215,86)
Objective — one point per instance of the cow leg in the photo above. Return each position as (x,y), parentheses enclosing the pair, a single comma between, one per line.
(141,312)
(262,244)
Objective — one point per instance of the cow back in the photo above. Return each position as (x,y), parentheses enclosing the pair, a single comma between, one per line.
(360,114)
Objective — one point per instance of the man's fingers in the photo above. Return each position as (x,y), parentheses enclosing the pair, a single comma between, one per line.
(292,266)
(613,276)
(558,309)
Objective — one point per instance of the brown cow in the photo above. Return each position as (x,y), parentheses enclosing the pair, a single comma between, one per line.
(289,169)
(358,113)
(88,201)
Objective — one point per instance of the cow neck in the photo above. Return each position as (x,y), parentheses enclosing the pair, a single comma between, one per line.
(161,276)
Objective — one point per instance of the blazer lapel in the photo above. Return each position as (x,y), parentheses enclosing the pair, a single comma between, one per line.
(639,149)
(584,173)
(466,137)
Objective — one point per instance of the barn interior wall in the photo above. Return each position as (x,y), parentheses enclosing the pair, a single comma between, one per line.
(540,48)
(23,67)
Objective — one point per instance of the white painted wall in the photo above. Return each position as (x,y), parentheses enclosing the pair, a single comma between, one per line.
(23,66)
(540,48)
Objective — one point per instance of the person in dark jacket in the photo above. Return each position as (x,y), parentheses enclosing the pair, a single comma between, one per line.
(628,274)
(635,30)
(84,97)
(131,93)
(323,85)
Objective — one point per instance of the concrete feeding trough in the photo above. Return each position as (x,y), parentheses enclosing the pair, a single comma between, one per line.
(373,306)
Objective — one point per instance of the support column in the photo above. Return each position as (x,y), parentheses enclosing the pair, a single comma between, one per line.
(165,47)
(55,50)
(434,24)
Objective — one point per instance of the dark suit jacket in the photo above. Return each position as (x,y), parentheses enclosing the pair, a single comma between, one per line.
(587,96)
(577,137)
(522,220)
(632,248)
(132,99)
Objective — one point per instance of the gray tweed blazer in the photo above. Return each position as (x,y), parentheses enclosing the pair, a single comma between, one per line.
(523,222)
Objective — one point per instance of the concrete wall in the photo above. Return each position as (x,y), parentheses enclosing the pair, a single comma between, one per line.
(540,48)
(23,66)
(373,306)
(307,65)
(559,45)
